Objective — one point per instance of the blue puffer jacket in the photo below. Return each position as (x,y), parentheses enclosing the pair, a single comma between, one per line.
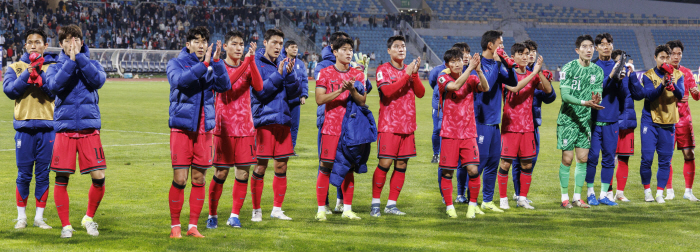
(15,86)
(628,117)
(328,60)
(432,80)
(271,105)
(359,131)
(302,78)
(75,84)
(191,85)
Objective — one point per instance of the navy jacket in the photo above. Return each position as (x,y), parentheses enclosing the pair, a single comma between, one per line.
(611,95)
(15,86)
(328,60)
(75,84)
(271,104)
(302,78)
(432,80)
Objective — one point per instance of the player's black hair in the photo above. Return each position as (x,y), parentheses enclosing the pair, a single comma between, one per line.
(518,48)
(490,37)
(273,32)
(232,34)
(617,52)
(532,45)
(72,31)
(675,43)
(202,31)
(338,43)
(392,39)
(453,54)
(289,43)
(39,32)
(599,38)
(582,38)
(337,35)
(660,49)
(462,46)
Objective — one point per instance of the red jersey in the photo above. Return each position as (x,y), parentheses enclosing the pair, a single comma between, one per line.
(233,113)
(683,109)
(397,113)
(331,79)
(517,110)
(458,120)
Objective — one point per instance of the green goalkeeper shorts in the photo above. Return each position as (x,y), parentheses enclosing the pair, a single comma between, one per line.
(570,137)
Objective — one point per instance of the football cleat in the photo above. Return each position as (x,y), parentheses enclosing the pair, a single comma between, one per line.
(490,206)
(460,199)
(350,215)
(621,197)
(321,216)
(212,222)
(194,233)
(607,201)
(524,204)
(471,211)
(328,210)
(436,159)
(21,223)
(41,224)
(670,194)
(648,197)
(234,222)
(174,232)
(690,196)
(592,200)
(452,213)
(67,232)
(339,208)
(660,199)
(375,211)
(257,215)
(393,210)
(91,228)
(504,204)
(566,204)
(581,204)
(279,215)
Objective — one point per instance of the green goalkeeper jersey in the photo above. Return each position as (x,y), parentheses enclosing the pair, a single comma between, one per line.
(577,83)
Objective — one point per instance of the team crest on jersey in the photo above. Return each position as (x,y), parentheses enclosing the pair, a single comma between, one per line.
(481,139)
(566,142)
(562,75)
(592,79)
(442,80)
(380,76)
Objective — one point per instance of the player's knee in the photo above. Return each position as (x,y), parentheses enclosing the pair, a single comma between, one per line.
(582,159)
(98,182)
(385,162)
(526,171)
(472,170)
(60,178)
(503,172)
(325,169)
(689,154)
(447,173)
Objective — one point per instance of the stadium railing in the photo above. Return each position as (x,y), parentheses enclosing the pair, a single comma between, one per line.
(121,61)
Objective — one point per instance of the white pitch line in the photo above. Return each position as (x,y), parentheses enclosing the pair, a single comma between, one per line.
(113,145)
(140,132)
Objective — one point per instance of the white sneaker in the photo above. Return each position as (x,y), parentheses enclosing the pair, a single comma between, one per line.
(690,196)
(524,204)
(41,224)
(91,227)
(610,196)
(257,215)
(67,232)
(279,215)
(504,203)
(660,199)
(21,223)
(621,197)
(670,194)
(648,197)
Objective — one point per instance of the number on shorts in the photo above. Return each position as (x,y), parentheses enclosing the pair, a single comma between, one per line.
(99,153)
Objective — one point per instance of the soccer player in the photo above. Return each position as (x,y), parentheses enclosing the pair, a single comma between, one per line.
(685,138)
(518,132)
(581,85)
(272,120)
(487,109)
(458,135)
(25,82)
(398,85)
(291,51)
(234,134)
(192,77)
(627,124)
(605,127)
(328,60)
(538,99)
(335,85)
(75,79)
(663,88)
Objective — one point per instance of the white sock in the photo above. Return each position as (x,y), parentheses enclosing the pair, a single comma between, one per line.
(322,209)
(391,203)
(234,215)
(275,209)
(577,196)
(591,191)
(506,198)
(564,197)
(450,207)
(21,214)
(659,193)
(338,202)
(172,226)
(620,192)
(472,203)
(39,213)
(347,208)
(603,193)
(669,190)
(190,226)
(689,190)
(257,210)
(376,201)
(647,191)
(213,216)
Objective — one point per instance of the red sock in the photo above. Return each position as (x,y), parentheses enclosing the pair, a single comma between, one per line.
(348,188)
(60,197)
(525,180)
(689,173)
(503,183)
(240,188)
(279,188)
(95,195)
(669,185)
(396,183)
(256,188)
(196,202)
(474,186)
(41,202)
(176,199)
(622,171)
(215,188)
(322,187)
(647,187)
(20,201)
(378,180)
(659,188)
(446,187)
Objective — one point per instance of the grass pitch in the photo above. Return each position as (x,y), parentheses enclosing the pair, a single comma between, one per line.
(134,213)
